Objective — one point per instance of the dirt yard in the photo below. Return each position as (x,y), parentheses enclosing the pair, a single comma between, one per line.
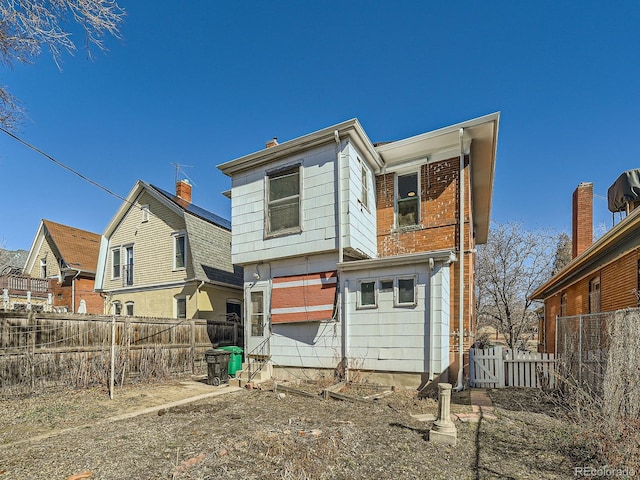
(262,434)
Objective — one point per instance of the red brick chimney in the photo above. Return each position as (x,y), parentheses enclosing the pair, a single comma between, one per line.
(582,218)
(183,191)
(272,143)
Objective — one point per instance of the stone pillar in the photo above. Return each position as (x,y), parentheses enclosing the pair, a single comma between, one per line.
(443,430)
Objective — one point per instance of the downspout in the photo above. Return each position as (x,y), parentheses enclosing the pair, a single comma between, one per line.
(73,292)
(431,317)
(198,295)
(336,135)
(459,385)
(342,301)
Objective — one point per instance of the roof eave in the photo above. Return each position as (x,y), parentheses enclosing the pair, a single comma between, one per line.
(350,128)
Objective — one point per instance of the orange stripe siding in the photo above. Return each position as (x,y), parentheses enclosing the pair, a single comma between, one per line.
(301,317)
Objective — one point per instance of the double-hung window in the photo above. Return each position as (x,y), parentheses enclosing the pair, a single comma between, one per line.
(365,187)
(408,200)
(283,202)
(181,307)
(115,263)
(179,251)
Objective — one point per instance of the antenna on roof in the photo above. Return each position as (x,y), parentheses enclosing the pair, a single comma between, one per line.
(180,170)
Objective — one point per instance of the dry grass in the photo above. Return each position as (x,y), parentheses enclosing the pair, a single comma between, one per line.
(259,434)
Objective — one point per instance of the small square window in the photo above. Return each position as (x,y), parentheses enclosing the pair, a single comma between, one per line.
(386,285)
(406,294)
(367,294)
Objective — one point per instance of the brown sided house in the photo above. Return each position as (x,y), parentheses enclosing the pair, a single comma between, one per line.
(603,276)
(69,256)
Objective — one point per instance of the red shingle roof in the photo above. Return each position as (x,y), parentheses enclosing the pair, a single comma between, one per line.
(78,248)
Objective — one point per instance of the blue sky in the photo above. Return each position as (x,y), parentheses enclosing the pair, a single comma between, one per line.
(201,82)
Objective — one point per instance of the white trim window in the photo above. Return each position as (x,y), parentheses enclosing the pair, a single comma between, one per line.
(117,308)
(179,251)
(129,308)
(144,213)
(367,294)
(364,196)
(386,285)
(408,200)
(115,263)
(406,291)
(283,201)
(181,307)
(43,268)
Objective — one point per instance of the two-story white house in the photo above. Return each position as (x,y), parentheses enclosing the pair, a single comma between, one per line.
(347,264)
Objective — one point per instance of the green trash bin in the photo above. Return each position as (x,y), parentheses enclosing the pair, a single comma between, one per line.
(235,361)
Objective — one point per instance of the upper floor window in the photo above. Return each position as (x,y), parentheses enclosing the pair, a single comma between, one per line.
(128,267)
(283,202)
(364,199)
(144,212)
(408,200)
(43,268)
(115,263)
(594,295)
(180,252)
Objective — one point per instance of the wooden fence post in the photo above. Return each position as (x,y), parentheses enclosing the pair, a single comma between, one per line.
(193,346)
(113,356)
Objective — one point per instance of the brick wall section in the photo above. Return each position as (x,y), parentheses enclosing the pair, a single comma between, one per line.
(438,227)
(582,218)
(618,280)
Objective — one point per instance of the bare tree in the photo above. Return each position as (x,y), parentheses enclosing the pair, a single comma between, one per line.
(510,266)
(29,25)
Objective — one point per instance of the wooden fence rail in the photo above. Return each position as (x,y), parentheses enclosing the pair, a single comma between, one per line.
(499,367)
(52,349)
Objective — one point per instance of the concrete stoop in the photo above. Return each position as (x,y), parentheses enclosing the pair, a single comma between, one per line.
(242,376)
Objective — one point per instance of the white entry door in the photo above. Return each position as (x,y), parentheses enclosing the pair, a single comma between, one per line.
(258,323)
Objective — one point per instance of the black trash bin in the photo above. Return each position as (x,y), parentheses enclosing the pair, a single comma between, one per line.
(217,366)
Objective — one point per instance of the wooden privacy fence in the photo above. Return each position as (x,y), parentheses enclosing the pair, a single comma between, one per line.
(499,367)
(39,349)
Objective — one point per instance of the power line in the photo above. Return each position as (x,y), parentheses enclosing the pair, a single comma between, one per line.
(60,164)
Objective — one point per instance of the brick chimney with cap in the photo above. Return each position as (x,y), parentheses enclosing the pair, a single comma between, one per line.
(582,219)
(271,143)
(183,191)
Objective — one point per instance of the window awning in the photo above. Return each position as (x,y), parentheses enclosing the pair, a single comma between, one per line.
(303,298)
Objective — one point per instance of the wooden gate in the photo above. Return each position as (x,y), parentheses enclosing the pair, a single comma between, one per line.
(499,367)
(486,367)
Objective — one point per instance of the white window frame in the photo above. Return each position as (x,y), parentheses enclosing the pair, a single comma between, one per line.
(127,306)
(113,270)
(381,289)
(176,236)
(144,213)
(360,305)
(396,296)
(268,204)
(364,178)
(43,268)
(117,307)
(397,199)
(181,298)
